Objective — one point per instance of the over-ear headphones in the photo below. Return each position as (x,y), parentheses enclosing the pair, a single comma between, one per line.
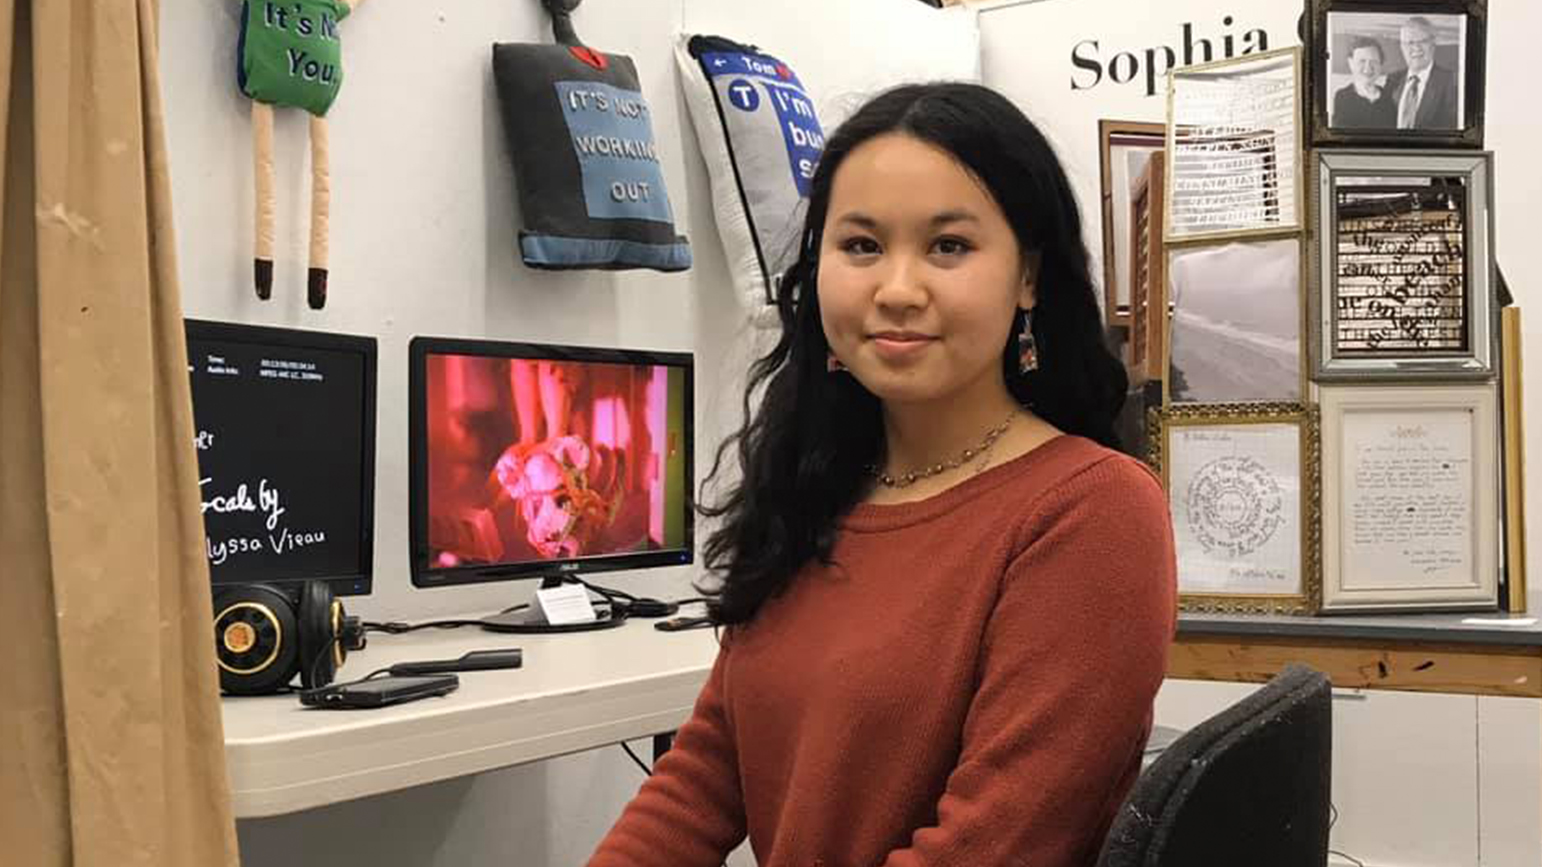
(262,637)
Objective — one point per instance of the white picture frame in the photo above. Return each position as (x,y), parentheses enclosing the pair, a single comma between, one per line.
(1411,498)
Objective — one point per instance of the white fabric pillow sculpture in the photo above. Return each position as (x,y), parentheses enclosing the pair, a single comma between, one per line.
(761,138)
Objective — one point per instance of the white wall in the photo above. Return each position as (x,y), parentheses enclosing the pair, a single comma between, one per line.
(424,242)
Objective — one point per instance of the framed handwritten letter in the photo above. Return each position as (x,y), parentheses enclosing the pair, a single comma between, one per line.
(1397,72)
(1234,148)
(1242,482)
(1411,498)
(1405,264)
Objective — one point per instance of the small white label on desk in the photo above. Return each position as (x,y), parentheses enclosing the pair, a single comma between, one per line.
(1500,621)
(566,604)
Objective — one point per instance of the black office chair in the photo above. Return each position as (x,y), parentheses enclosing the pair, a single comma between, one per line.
(1249,786)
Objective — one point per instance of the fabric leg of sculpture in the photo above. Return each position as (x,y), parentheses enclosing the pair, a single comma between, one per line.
(321,210)
(262,155)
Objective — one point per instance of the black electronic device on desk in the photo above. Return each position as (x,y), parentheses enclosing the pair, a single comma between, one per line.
(285,424)
(539,462)
(380,692)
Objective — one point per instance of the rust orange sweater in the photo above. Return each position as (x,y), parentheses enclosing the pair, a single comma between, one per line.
(969,685)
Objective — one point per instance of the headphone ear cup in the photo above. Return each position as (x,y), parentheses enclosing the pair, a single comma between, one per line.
(350,636)
(318,634)
(256,639)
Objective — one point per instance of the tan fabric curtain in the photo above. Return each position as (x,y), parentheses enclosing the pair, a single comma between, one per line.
(111,745)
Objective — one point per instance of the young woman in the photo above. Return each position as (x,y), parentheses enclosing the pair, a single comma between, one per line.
(948,600)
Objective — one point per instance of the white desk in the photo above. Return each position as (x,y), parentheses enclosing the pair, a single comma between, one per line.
(575,692)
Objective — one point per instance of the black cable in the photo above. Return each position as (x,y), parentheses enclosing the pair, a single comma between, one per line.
(649,771)
(331,686)
(314,668)
(397,627)
(1333,817)
(634,606)
(607,592)
(640,763)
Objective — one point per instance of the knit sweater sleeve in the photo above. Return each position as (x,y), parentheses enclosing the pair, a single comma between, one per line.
(1071,660)
(690,811)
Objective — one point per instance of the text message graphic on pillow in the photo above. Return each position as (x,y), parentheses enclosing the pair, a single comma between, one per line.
(761,137)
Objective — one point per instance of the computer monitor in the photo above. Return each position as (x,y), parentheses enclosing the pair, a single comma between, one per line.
(537,461)
(285,437)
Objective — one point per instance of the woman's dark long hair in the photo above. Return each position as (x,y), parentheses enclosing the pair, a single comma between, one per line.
(803,451)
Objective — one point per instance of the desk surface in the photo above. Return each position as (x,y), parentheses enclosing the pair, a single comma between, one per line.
(586,690)
(1492,629)
(575,692)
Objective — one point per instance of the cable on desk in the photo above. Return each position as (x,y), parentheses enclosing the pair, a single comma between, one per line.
(624,602)
(1333,817)
(633,606)
(397,627)
(331,686)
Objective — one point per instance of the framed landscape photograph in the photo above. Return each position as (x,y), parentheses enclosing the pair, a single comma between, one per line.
(1410,497)
(1404,257)
(1397,73)
(1242,483)
(1236,333)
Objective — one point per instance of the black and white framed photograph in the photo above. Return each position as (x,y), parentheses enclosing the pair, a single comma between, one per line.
(1408,73)
(1410,497)
(1234,148)
(1404,257)
(1235,334)
(1125,149)
(1242,483)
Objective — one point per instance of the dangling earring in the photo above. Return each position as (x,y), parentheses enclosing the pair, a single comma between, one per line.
(1027,346)
(833,364)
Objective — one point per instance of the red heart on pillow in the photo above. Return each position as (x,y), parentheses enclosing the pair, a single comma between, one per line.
(590,56)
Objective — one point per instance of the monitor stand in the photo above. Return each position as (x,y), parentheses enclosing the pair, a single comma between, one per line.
(529,618)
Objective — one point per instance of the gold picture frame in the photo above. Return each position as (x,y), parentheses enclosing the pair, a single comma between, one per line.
(1240,466)
(1241,146)
(1514,460)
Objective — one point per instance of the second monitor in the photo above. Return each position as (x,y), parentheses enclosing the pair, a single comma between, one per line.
(536,461)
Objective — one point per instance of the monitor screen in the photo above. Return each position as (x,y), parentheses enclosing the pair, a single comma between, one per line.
(532,460)
(285,436)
